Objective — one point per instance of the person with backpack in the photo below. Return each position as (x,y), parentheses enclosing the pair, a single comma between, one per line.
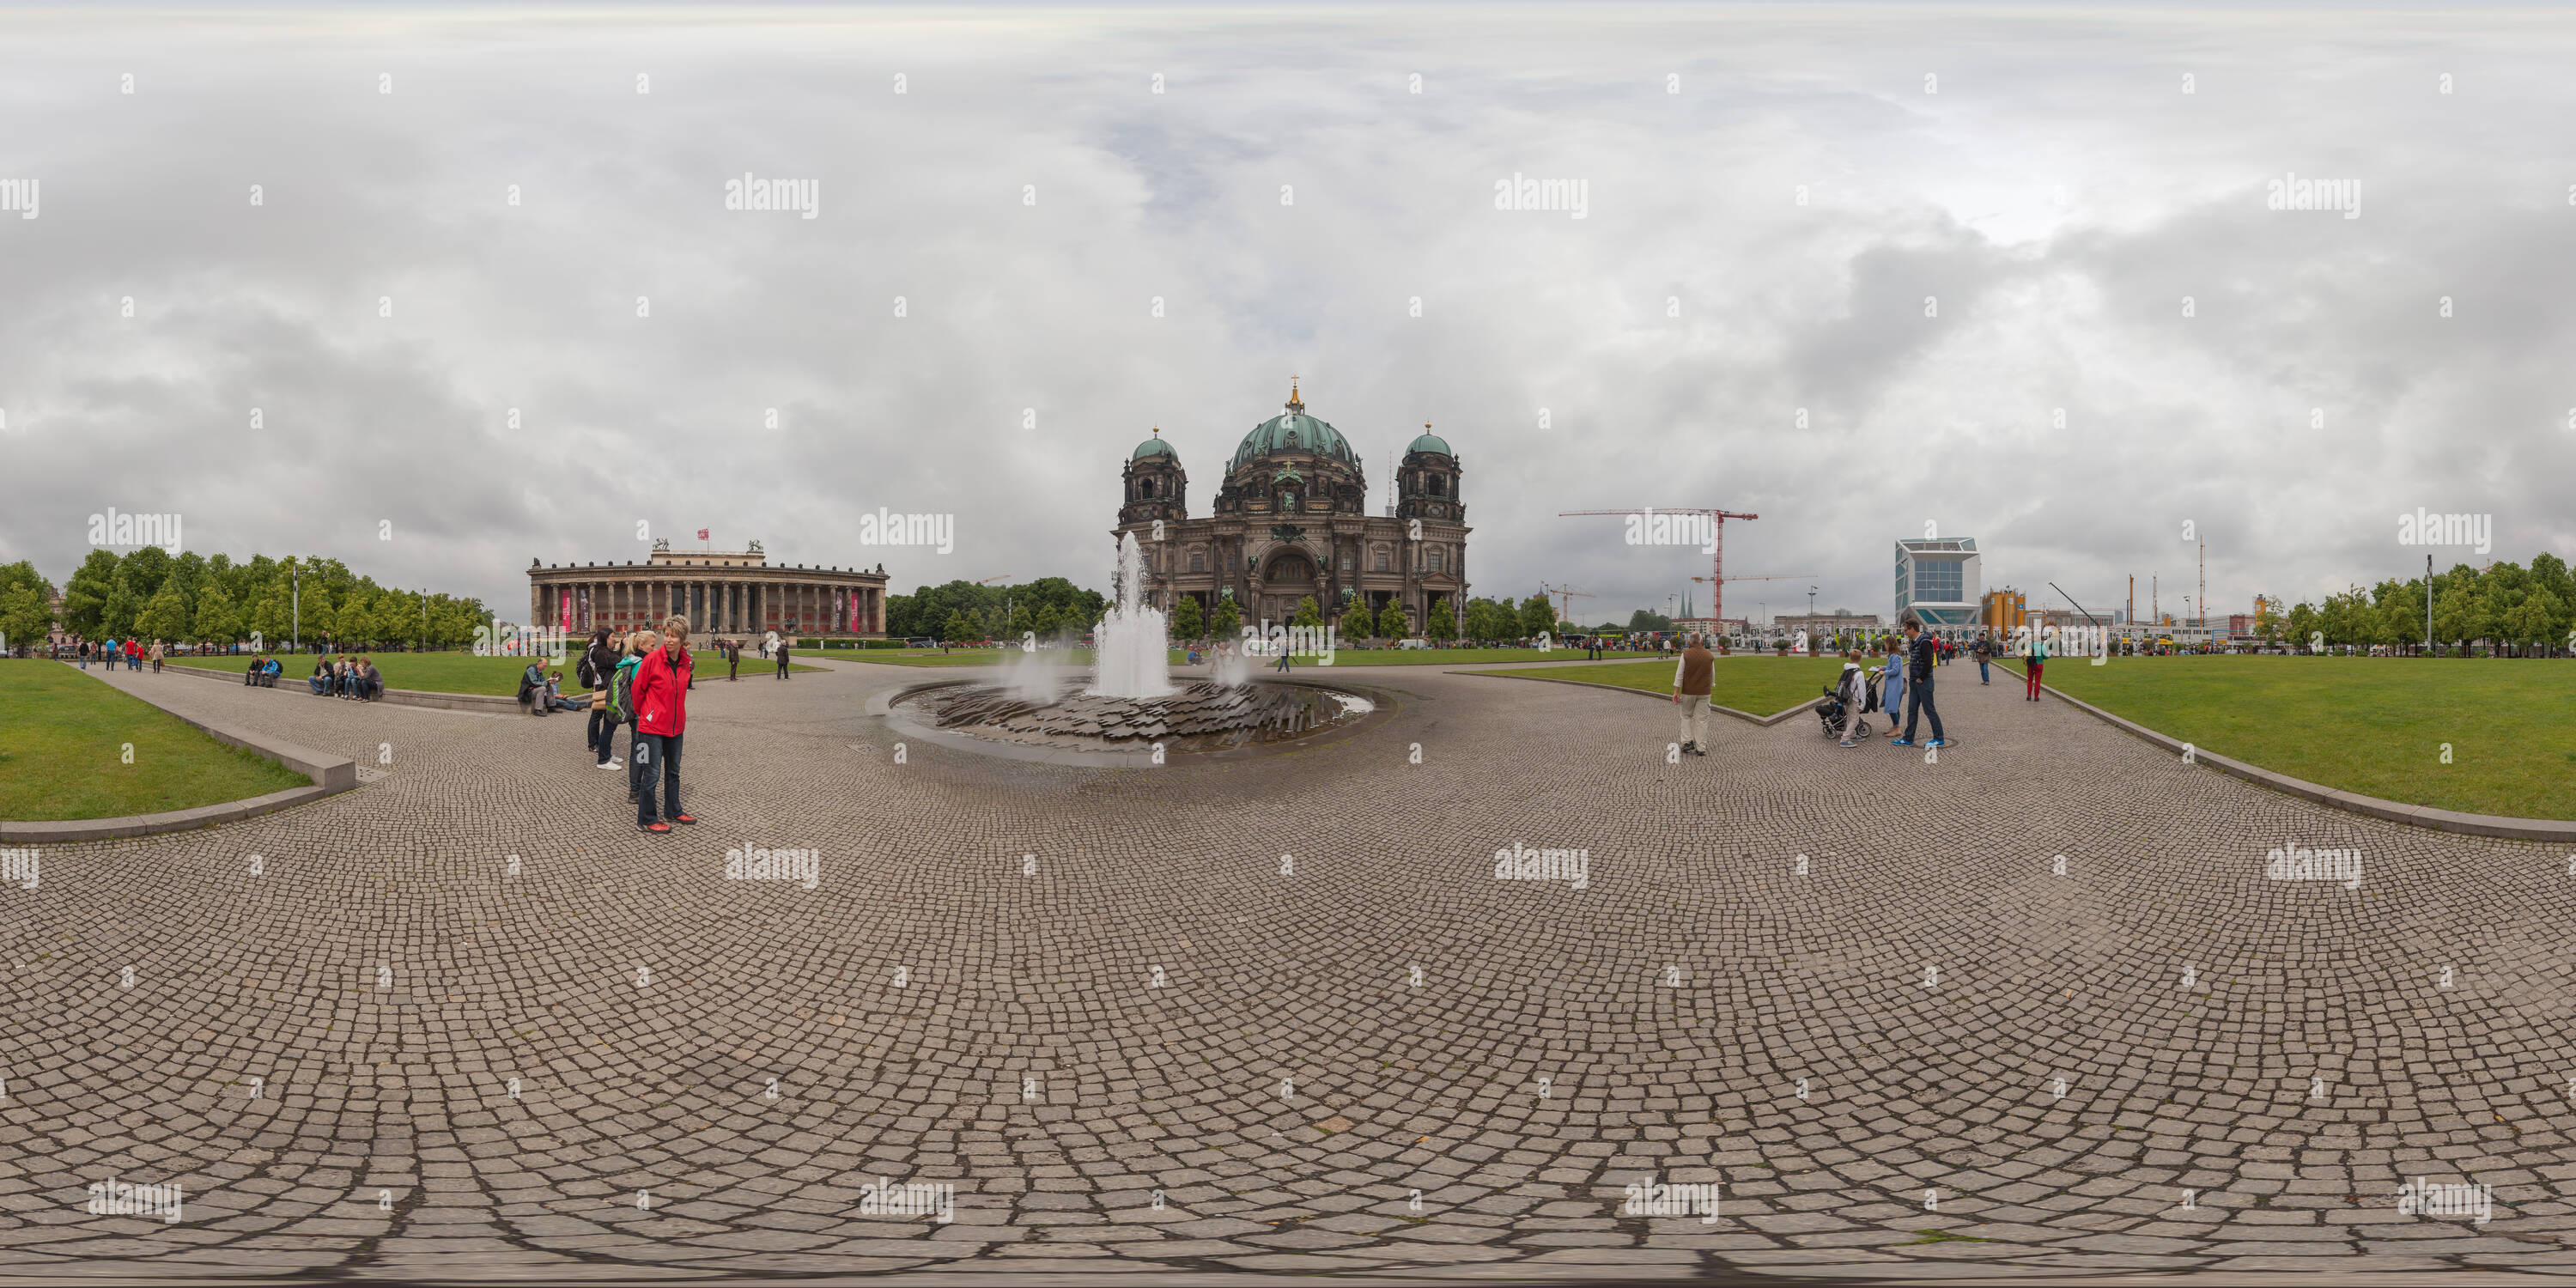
(1985,654)
(661,698)
(2034,657)
(782,659)
(592,671)
(621,703)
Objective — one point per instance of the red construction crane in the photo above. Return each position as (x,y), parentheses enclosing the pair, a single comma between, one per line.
(990,580)
(1566,595)
(1717,546)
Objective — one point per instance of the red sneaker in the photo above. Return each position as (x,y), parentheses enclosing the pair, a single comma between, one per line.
(684,818)
(657,826)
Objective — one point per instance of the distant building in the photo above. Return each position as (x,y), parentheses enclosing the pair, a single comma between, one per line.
(1937,581)
(721,592)
(2003,612)
(1839,621)
(2240,625)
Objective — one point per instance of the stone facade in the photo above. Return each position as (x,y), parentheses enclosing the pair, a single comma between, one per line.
(728,593)
(1291,520)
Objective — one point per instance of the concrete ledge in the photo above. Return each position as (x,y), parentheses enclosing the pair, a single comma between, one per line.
(330,774)
(2498,825)
(1665,698)
(399,697)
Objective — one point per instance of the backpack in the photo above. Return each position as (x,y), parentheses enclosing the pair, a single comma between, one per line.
(621,694)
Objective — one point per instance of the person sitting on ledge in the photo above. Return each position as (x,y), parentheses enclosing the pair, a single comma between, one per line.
(251,676)
(320,680)
(370,681)
(268,673)
(532,689)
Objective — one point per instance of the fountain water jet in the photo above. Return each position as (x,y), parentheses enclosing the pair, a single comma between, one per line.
(1132,653)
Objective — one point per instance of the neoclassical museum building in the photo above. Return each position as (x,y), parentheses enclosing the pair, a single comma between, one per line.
(721,592)
(1292,520)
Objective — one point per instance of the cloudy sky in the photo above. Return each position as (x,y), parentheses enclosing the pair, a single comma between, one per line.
(1773,194)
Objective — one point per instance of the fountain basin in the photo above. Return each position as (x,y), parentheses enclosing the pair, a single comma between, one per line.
(1199,720)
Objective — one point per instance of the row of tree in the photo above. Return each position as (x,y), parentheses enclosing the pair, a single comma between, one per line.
(1050,608)
(2505,609)
(191,598)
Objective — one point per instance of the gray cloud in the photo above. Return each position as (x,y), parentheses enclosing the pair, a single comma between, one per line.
(2043,303)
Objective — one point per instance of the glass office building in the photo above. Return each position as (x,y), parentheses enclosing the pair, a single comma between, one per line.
(1936,580)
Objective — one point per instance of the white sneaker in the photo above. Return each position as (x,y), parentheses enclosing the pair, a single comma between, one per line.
(612,764)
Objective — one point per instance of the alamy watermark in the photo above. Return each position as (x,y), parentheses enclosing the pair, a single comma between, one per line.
(1648,528)
(1689,1198)
(2424,528)
(1519,862)
(887,529)
(1274,638)
(116,528)
(19,867)
(805,867)
(113,1197)
(1520,192)
(19,195)
(796,196)
(934,1199)
(2420,1197)
(2294,193)
(2291,863)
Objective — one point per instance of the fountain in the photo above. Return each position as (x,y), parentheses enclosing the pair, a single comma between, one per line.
(1134,657)
(1131,712)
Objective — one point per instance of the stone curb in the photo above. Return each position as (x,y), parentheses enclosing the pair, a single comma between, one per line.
(330,774)
(1746,716)
(399,697)
(2518,829)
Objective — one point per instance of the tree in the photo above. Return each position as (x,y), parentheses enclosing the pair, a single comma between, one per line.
(1392,622)
(85,595)
(117,620)
(164,616)
(217,622)
(1443,626)
(1308,615)
(1642,621)
(1225,620)
(2457,615)
(957,629)
(2534,621)
(26,606)
(1189,621)
(1480,621)
(1537,615)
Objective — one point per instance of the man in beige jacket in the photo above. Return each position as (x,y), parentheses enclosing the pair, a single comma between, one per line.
(1693,672)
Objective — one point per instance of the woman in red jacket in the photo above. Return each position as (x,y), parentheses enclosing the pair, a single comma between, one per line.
(660,696)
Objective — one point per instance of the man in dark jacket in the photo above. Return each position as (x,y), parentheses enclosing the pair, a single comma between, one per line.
(598,666)
(1919,653)
(782,659)
(660,695)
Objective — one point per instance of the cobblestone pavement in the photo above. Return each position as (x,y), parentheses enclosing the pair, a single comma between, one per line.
(1103,1007)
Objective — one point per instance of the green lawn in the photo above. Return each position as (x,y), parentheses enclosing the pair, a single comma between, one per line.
(62,752)
(1756,685)
(466,673)
(2370,725)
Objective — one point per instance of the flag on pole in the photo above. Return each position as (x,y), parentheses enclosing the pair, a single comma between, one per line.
(702,534)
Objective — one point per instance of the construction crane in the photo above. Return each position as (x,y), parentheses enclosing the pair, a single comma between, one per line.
(1566,595)
(1717,546)
(990,580)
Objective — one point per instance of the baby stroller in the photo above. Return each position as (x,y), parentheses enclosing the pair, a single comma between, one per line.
(1832,712)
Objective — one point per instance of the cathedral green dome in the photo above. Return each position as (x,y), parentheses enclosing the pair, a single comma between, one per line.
(1294,431)
(1154,446)
(1430,442)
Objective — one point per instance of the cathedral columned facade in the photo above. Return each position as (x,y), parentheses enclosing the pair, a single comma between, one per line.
(1291,520)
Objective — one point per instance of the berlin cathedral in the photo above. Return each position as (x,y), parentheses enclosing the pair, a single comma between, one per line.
(1292,520)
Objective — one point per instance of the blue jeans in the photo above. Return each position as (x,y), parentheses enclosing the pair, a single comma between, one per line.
(1981,670)
(1918,701)
(657,756)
